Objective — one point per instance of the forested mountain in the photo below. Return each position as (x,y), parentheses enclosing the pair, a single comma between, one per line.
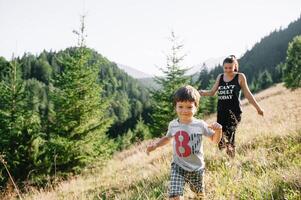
(130,99)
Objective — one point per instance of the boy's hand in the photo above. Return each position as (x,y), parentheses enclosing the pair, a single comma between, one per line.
(151,147)
(215,126)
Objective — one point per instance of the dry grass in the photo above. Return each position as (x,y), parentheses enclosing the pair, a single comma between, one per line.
(266,166)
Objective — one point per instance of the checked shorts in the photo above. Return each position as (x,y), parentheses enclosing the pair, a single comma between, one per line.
(179,177)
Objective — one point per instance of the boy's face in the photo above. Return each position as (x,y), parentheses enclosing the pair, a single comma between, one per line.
(185,110)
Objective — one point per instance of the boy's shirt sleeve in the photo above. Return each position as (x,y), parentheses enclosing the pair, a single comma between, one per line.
(207,131)
(169,131)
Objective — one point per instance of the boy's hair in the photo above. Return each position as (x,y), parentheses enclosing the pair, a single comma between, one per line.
(187,93)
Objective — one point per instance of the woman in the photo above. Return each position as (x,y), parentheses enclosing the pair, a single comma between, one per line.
(228,86)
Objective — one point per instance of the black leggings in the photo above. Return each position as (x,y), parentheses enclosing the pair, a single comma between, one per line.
(229,120)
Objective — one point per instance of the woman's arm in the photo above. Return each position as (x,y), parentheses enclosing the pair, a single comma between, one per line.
(213,89)
(162,141)
(244,86)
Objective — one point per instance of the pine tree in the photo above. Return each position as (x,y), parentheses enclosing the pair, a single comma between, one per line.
(208,105)
(19,128)
(204,76)
(173,78)
(141,131)
(264,80)
(292,67)
(81,120)
(211,104)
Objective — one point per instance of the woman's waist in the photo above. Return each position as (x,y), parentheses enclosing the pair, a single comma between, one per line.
(233,106)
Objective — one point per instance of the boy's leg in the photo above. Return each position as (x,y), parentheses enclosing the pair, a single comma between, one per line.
(177,182)
(196,183)
(176,198)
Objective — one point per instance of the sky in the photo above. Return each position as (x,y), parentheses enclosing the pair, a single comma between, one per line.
(135,32)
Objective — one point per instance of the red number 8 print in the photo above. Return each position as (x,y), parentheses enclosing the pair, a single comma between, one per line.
(182,147)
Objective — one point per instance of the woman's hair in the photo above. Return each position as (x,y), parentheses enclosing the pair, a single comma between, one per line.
(187,93)
(232,59)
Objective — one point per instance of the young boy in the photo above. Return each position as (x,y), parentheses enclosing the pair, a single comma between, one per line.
(188,157)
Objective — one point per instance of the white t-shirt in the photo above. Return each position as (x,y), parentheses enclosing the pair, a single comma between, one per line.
(187,144)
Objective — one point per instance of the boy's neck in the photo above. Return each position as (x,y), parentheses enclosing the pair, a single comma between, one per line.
(186,121)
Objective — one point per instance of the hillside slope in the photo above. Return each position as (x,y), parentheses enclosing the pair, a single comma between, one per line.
(267,165)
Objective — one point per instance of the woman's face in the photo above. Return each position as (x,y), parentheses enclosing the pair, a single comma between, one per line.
(229,67)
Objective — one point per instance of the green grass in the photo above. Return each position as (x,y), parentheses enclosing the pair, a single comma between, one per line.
(265,168)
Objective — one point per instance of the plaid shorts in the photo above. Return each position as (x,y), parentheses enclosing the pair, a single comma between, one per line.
(179,177)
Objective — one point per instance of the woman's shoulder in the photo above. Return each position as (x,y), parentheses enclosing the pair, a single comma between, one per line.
(219,76)
(241,78)
(241,75)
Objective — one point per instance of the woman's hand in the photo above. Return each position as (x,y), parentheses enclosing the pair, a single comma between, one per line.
(260,111)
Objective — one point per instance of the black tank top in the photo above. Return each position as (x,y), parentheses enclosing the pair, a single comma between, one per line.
(229,95)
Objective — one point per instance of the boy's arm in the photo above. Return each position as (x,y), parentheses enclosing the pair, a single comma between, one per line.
(216,137)
(162,141)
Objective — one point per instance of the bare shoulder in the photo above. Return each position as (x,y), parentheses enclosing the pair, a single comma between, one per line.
(241,77)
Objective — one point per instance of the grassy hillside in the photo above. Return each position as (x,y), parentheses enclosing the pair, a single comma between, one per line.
(267,165)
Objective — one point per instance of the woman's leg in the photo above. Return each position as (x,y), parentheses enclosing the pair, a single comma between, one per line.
(231,126)
(221,119)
